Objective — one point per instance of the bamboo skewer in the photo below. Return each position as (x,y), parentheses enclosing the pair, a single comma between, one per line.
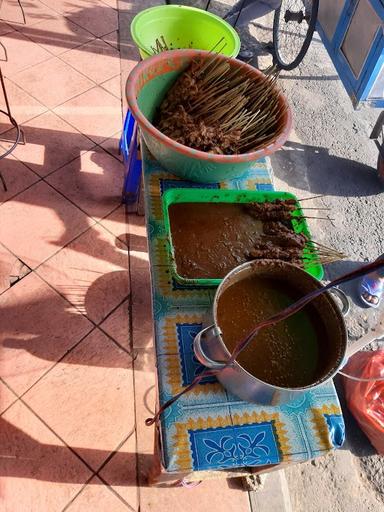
(318,218)
(217,44)
(314,208)
(230,101)
(312,197)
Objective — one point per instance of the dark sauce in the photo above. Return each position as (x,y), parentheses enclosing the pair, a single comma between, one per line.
(293,353)
(211,239)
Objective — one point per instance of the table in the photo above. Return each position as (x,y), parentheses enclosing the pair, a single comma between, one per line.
(208,429)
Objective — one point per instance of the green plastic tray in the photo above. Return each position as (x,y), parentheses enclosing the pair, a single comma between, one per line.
(198,195)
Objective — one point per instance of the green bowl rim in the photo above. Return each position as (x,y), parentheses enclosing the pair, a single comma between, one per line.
(139,15)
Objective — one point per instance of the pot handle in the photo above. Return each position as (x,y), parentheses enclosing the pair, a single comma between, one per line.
(345,304)
(200,354)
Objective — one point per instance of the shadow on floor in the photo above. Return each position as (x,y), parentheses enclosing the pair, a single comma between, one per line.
(88,183)
(351,288)
(66,40)
(41,339)
(326,174)
(21,456)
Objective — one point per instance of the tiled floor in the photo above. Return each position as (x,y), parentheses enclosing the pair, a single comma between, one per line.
(77,375)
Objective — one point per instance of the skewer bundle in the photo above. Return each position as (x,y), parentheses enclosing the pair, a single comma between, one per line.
(222,109)
(279,240)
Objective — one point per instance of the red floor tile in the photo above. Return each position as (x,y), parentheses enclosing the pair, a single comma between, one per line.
(57,34)
(116,223)
(50,143)
(18,52)
(6,397)
(66,7)
(17,177)
(209,495)
(111,3)
(10,268)
(34,12)
(112,146)
(138,231)
(145,398)
(98,19)
(91,273)
(94,387)
(142,318)
(113,86)
(23,106)
(38,222)
(120,472)
(117,325)
(128,49)
(96,114)
(96,59)
(96,497)
(112,38)
(138,245)
(93,181)
(5,28)
(38,473)
(37,327)
(61,82)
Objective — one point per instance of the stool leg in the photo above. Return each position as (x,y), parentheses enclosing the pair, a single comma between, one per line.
(126,136)
(133,171)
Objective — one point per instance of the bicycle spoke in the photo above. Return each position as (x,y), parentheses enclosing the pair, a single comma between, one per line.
(291,37)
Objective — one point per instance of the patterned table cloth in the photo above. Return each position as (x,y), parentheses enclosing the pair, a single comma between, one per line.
(208,428)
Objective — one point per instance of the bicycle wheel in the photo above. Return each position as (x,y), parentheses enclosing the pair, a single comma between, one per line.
(293,27)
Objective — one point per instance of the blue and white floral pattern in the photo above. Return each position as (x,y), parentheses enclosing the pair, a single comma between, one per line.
(234,446)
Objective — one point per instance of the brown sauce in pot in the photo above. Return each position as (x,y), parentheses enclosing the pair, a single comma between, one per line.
(211,239)
(292,353)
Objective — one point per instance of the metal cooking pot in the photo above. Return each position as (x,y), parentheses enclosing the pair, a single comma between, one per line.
(211,351)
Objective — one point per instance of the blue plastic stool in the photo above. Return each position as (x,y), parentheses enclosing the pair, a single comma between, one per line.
(132,160)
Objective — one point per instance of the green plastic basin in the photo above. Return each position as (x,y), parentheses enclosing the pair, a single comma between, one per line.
(146,88)
(182,27)
(311,262)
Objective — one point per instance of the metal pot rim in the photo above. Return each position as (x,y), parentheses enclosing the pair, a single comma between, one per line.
(316,283)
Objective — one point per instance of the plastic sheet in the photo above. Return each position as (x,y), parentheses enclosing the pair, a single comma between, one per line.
(363,378)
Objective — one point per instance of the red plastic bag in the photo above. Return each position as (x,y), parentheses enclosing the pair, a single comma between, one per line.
(365,393)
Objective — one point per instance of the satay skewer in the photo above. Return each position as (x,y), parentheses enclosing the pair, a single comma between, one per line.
(312,197)
(317,218)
